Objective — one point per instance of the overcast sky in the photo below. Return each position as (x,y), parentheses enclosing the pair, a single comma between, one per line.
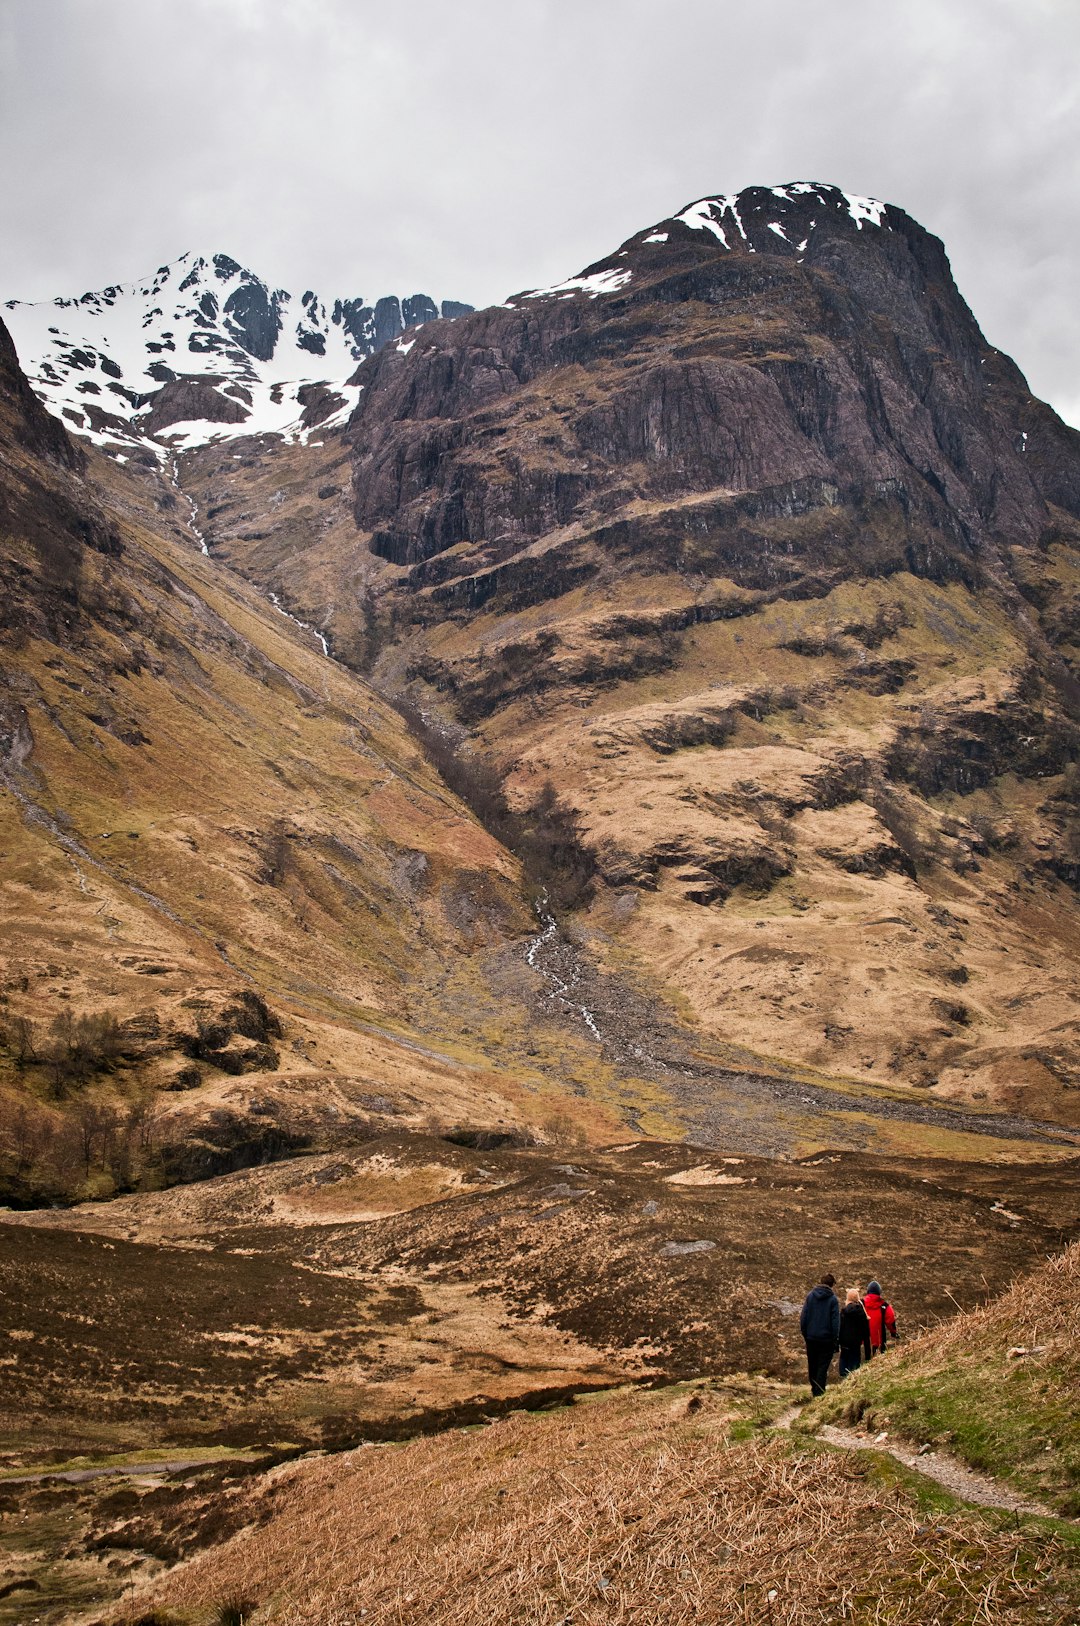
(472,149)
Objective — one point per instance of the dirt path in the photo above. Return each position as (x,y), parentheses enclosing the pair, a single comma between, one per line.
(939,1466)
(944,1469)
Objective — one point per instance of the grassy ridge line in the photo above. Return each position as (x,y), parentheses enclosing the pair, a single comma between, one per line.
(1014,1416)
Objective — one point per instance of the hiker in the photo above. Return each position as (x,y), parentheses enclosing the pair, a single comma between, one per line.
(854,1333)
(819,1324)
(881,1316)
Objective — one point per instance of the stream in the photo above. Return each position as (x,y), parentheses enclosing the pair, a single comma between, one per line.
(559,990)
(193,527)
(193,518)
(306,625)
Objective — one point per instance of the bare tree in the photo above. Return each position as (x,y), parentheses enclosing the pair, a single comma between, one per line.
(26,1138)
(93,1125)
(80,1046)
(64,1150)
(24,1040)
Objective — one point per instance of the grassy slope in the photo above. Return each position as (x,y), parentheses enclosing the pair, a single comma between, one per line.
(1018,1418)
(664,1507)
(209,804)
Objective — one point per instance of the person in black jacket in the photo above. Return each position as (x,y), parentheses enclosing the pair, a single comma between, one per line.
(819,1324)
(854,1333)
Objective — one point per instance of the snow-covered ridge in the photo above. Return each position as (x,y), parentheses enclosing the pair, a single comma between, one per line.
(757,220)
(601,282)
(737,218)
(203,350)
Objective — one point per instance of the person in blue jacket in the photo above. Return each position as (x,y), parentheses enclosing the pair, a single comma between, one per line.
(819,1324)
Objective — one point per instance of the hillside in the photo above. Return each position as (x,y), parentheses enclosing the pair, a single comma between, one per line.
(644,1510)
(368,1291)
(245,917)
(998,1385)
(414,1287)
(664,1507)
(748,544)
(240,909)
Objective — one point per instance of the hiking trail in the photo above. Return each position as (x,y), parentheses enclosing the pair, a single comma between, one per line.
(944,1469)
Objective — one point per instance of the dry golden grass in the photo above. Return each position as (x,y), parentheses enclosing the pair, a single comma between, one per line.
(628,1509)
(1040,1311)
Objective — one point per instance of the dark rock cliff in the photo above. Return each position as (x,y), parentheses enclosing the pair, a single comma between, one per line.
(810,356)
(23,419)
(48,519)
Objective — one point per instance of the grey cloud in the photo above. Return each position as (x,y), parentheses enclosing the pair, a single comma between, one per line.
(474,150)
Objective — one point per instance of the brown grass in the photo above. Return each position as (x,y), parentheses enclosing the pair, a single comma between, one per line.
(1039,1311)
(628,1509)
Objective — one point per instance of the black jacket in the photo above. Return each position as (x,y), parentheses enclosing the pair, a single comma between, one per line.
(820,1317)
(855,1329)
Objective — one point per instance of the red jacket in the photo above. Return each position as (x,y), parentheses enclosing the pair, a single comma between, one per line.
(876,1307)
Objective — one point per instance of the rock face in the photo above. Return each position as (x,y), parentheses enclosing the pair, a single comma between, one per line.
(749,543)
(204,344)
(791,343)
(25,420)
(49,521)
(185,399)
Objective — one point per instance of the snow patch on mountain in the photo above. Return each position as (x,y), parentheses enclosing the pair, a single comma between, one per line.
(600,282)
(204,350)
(719,215)
(758,220)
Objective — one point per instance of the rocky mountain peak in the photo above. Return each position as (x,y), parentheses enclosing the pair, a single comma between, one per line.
(203,348)
(797,336)
(803,222)
(791,214)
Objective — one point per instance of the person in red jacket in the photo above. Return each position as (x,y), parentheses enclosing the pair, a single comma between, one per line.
(881,1316)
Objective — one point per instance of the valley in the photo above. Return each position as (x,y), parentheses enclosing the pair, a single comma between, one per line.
(505,878)
(410,1286)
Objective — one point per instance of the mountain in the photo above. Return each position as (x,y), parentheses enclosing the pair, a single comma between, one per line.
(240,912)
(654,843)
(750,545)
(204,349)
